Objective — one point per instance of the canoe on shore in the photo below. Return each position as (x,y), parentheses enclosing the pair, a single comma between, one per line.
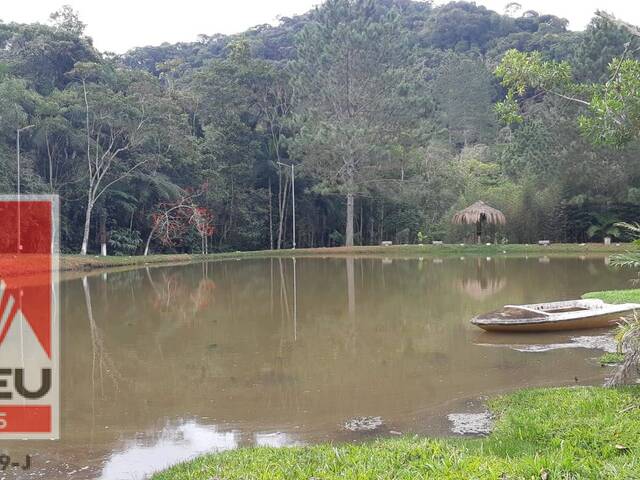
(565,315)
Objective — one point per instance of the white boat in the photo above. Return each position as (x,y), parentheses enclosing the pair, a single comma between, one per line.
(564,315)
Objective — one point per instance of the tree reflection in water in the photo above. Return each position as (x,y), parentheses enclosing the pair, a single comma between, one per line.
(174,296)
(101,361)
(484,281)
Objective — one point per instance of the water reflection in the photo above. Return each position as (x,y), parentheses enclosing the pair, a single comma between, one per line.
(288,308)
(173,445)
(181,300)
(279,351)
(481,280)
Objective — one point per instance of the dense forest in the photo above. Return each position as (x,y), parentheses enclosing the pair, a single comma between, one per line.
(390,110)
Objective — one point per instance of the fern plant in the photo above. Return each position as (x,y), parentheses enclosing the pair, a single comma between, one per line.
(628,333)
(604,226)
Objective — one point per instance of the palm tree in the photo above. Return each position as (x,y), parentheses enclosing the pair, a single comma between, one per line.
(604,226)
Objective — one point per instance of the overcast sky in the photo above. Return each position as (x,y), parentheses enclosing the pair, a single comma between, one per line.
(118,25)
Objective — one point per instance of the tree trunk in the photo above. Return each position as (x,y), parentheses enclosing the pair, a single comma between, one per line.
(372,230)
(103,234)
(479,232)
(282,212)
(146,247)
(382,222)
(349,228)
(270,217)
(90,195)
(360,227)
(87,228)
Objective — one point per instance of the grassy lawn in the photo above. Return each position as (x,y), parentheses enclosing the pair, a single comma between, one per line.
(616,296)
(562,433)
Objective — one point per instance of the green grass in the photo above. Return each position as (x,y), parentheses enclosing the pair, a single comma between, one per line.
(570,433)
(611,359)
(90,262)
(616,296)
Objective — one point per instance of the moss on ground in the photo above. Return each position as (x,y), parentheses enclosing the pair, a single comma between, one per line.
(560,433)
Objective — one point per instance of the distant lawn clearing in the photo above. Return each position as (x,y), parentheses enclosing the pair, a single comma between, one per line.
(616,296)
(70,262)
(559,433)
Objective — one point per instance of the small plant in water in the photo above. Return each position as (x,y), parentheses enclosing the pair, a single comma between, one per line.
(611,359)
(628,338)
(628,335)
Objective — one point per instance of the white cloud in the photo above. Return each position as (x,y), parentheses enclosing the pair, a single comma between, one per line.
(119,25)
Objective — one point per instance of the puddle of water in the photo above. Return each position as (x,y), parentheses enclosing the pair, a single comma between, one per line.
(471,423)
(276,353)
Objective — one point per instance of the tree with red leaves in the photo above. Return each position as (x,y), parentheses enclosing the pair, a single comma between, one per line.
(172,220)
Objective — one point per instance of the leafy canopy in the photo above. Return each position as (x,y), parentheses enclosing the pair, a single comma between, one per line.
(611,110)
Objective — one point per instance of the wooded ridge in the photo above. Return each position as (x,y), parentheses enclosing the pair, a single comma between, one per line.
(395,113)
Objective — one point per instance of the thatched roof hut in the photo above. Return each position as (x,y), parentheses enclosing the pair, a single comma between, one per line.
(479,213)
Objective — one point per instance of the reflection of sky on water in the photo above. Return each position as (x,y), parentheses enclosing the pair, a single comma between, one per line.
(277,439)
(139,459)
(175,445)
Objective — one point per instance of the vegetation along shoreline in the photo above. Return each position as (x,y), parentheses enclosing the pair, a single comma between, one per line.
(82,262)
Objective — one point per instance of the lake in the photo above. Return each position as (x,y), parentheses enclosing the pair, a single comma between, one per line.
(162,363)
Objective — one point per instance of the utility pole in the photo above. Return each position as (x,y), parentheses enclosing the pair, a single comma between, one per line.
(293,200)
(18,131)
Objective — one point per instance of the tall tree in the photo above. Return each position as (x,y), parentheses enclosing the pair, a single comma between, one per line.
(348,78)
(464,92)
(115,123)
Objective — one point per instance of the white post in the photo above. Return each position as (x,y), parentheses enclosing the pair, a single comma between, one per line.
(293,199)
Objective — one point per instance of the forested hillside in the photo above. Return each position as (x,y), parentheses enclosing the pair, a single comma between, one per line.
(386,107)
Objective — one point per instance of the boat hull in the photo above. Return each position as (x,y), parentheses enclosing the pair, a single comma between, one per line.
(603,321)
(554,316)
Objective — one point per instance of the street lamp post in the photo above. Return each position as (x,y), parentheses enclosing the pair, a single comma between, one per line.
(293,200)
(18,132)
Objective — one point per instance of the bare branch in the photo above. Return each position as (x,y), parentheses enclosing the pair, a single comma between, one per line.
(571,99)
(121,177)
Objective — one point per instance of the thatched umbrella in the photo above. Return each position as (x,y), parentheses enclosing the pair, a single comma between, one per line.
(479,213)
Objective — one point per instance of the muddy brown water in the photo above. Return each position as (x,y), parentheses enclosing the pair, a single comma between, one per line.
(164,363)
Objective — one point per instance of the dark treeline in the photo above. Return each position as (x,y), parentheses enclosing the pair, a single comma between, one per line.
(386,107)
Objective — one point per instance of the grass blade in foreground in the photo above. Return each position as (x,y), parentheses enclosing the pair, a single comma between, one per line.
(584,433)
